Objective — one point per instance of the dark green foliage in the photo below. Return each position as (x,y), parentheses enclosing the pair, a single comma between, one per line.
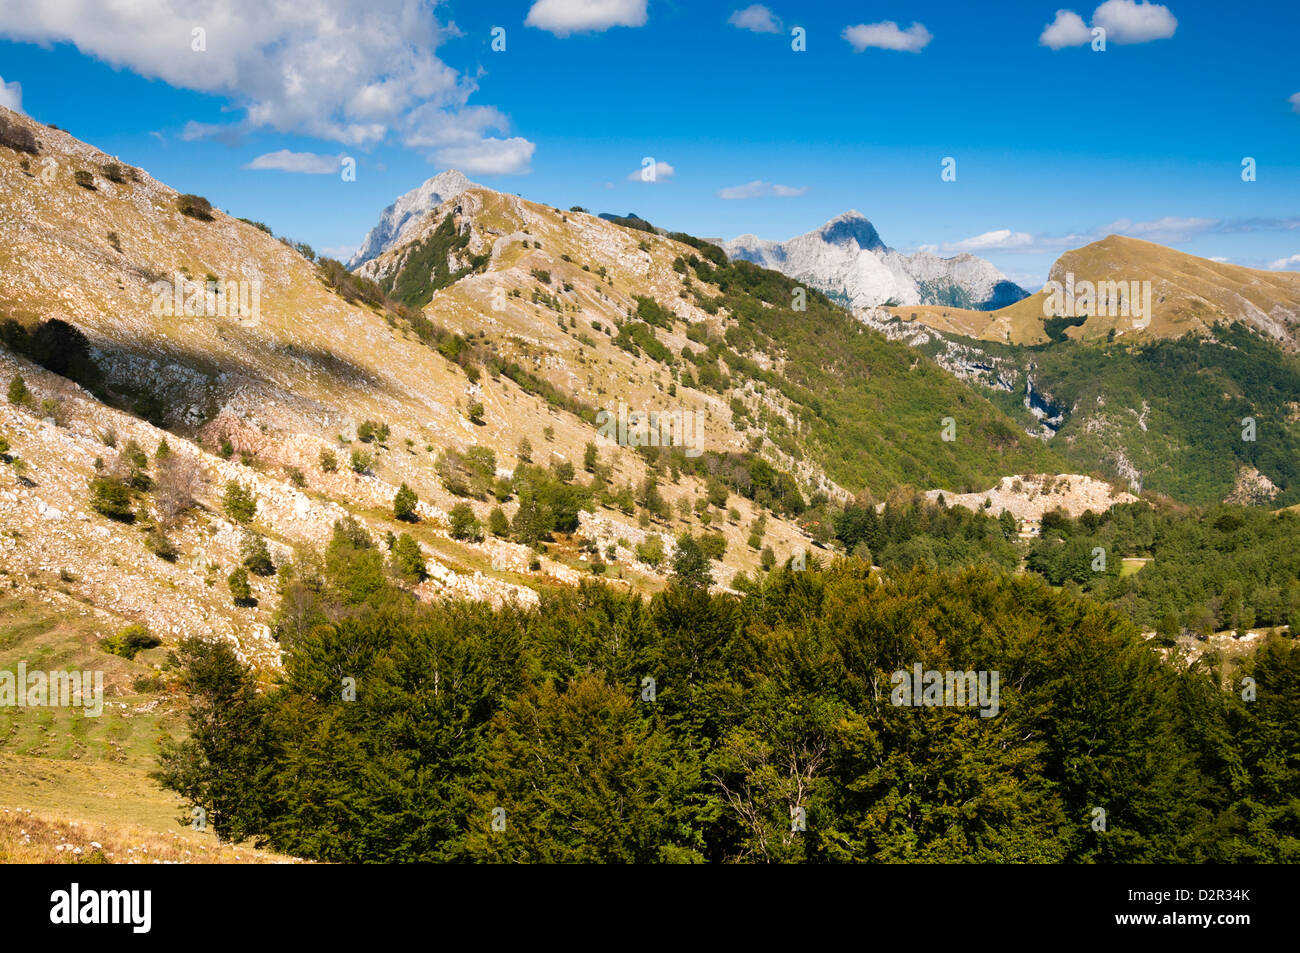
(1173,407)
(84,179)
(404,504)
(195,206)
(464,524)
(239,502)
(111,497)
(425,268)
(57,346)
(408,560)
(18,394)
(777,701)
(240,591)
(691,564)
(255,555)
(131,641)
(634,335)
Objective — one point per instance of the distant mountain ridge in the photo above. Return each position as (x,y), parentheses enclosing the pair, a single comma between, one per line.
(846,259)
(406,212)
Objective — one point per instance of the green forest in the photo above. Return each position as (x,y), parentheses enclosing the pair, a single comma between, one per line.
(601,726)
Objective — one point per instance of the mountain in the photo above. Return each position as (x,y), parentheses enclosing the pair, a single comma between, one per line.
(1199,399)
(1189,295)
(847,260)
(396,221)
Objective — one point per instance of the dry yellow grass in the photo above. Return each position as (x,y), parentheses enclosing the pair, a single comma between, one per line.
(37,837)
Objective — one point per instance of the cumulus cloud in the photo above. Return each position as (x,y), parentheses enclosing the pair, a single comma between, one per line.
(663,173)
(1285,264)
(1068,29)
(563,17)
(489,156)
(331,69)
(1128,22)
(1125,21)
(309,163)
(887,36)
(11,95)
(756,18)
(760,189)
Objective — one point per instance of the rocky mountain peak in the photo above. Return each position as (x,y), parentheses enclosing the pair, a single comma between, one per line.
(405,213)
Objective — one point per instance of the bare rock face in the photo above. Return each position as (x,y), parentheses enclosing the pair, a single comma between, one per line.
(1252,488)
(1028,497)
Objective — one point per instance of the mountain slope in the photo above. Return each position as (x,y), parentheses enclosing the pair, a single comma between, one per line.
(847,260)
(1189,294)
(811,390)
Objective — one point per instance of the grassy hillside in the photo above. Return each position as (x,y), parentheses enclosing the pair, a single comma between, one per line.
(1167,415)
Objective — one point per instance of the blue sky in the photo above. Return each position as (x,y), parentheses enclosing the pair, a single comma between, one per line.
(1055,143)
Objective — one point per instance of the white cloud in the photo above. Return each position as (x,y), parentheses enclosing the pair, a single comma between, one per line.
(1294,100)
(1164,230)
(1222,261)
(999,238)
(887,36)
(11,95)
(1125,21)
(663,173)
(1068,29)
(1285,264)
(563,17)
(339,252)
(489,156)
(1128,22)
(331,69)
(306,162)
(756,18)
(759,189)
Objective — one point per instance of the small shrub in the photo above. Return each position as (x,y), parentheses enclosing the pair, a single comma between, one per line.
(131,641)
(498,524)
(240,591)
(360,462)
(408,560)
(328,461)
(464,524)
(651,552)
(84,179)
(158,543)
(19,395)
(18,137)
(256,558)
(404,504)
(239,503)
(113,172)
(195,206)
(476,412)
(110,497)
